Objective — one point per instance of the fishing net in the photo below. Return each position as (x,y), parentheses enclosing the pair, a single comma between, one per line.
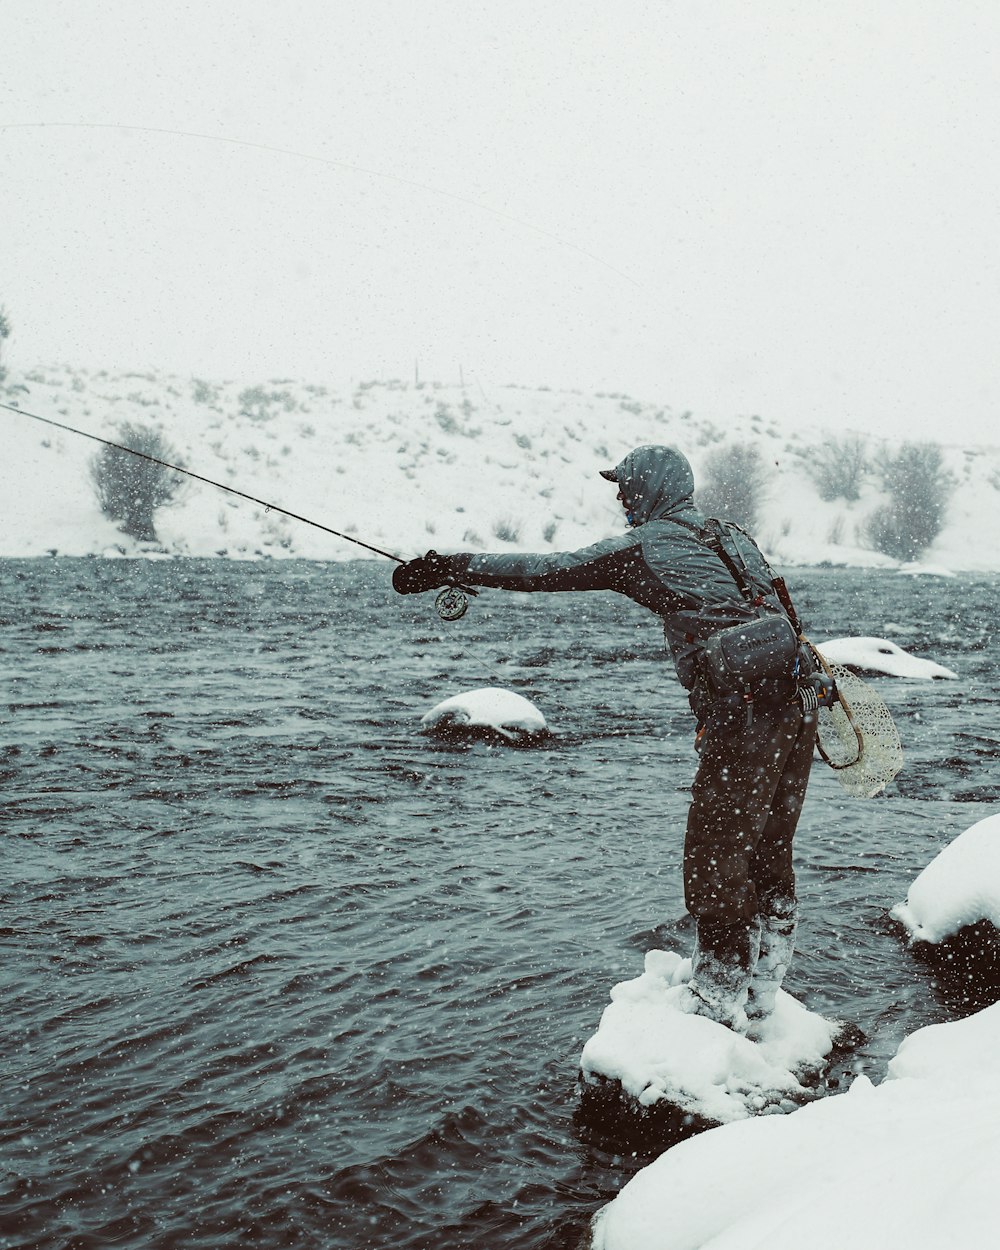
(857,736)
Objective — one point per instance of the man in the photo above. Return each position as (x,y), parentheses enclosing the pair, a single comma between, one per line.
(756,742)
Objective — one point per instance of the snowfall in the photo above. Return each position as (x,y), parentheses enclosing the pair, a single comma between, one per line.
(405,466)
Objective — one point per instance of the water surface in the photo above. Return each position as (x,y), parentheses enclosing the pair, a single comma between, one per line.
(278,970)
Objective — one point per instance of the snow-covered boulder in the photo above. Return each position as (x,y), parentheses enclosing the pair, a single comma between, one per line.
(653,1071)
(952,911)
(911,1163)
(878,655)
(958,887)
(486,713)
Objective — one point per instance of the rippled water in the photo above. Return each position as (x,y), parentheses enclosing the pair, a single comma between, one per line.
(278,970)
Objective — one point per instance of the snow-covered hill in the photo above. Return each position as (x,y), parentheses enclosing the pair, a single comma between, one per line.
(407,466)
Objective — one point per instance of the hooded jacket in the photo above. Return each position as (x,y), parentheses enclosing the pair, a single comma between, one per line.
(663,562)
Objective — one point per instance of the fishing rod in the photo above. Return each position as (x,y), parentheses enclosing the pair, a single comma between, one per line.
(451,604)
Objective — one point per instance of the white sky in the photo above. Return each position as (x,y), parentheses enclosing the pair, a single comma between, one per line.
(784,206)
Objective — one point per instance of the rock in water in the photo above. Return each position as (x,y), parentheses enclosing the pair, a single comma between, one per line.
(488,713)
(653,1073)
(879,655)
(952,915)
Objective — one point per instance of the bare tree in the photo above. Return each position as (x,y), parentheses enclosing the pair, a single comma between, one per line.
(733,482)
(130,488)
(919,486)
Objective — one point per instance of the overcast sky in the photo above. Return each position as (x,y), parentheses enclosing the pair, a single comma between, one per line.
(729,206)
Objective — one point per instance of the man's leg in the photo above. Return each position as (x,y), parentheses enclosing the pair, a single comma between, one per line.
(739,780)
(774,877)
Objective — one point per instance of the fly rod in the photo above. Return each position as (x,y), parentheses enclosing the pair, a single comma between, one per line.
(452,603)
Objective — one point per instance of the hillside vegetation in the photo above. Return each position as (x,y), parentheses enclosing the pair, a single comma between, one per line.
(407,466)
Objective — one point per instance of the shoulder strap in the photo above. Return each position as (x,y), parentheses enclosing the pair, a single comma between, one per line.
(710,535)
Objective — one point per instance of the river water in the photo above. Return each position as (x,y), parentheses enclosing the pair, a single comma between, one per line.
(279,970)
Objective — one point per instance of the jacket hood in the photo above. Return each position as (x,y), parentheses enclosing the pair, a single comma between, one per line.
(656,481)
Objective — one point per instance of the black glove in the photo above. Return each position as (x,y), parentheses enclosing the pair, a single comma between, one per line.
(427,572)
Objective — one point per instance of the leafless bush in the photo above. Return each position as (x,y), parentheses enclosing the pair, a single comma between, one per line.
(130,488)
(260,404)
(838,467)
(507,531)
(733,482)
(919,486)
(6,329)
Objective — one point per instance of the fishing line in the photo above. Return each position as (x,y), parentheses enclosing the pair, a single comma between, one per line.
(334,163)
(451,604)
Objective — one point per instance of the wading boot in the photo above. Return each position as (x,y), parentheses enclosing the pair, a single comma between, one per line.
(721,969)
(777,943)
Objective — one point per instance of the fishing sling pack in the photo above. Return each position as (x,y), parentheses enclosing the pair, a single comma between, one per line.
(741,657)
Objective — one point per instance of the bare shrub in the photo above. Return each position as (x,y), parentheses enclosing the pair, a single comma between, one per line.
(733,482)
(919,486)
(507,531)
(203,392)
(130,488)
(839,466)
(6,329)
(260,404)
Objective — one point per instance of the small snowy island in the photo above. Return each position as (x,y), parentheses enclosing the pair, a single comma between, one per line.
(488,714)
(654,1071)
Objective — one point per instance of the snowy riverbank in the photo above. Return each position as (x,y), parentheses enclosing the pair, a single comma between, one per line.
(407,466)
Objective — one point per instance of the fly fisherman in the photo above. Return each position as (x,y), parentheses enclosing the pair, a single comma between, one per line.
(756,738)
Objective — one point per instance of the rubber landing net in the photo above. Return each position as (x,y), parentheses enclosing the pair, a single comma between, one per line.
(857,736)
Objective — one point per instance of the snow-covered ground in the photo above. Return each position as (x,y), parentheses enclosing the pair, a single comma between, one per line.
(910,1164)
(407,466)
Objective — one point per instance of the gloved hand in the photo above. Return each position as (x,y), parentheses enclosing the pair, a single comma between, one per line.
(428,572)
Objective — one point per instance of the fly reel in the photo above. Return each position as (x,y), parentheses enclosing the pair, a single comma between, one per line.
(452,604)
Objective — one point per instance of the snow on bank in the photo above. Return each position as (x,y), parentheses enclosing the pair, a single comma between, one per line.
(959,887)
(407,466)
(908,1165)
(657,1051)
(503,712)
(878,655)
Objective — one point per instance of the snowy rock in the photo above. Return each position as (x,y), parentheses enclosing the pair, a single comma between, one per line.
(911,1163)
(486,712)
(674,1070)
(878,655)
(917,569)
(952,912)
(958,887)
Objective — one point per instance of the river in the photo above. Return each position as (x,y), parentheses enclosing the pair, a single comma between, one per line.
(280,970)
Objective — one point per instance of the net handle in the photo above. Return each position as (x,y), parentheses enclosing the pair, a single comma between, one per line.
(847,712)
